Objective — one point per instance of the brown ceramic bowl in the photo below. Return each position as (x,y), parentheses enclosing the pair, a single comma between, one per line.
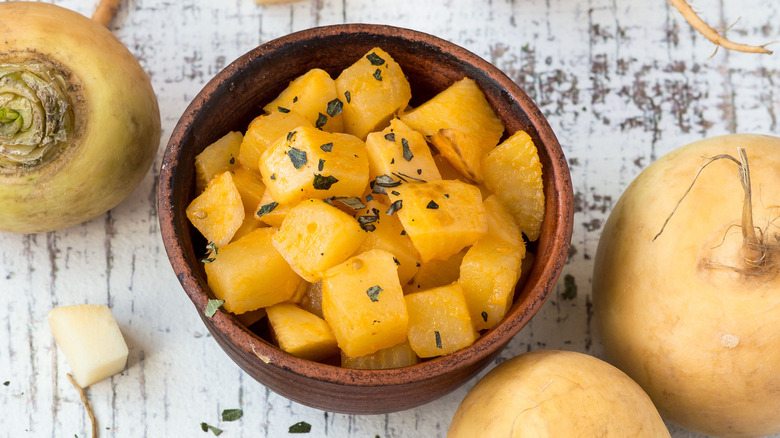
(234,97)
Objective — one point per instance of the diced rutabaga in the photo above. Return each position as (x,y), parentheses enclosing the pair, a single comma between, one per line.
(89,337)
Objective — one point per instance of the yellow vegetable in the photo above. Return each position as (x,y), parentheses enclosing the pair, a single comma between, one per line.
(363,302)
(217,212)
(314,96)
(552,394)
(692,313)
(301,333)
(402,150)
(373,89)
(315,236)
(439,321)
(249,273)
(79,121)
(397,356)
(216,158)
(263,132)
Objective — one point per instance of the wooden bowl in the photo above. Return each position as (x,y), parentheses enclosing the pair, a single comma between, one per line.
(236,95)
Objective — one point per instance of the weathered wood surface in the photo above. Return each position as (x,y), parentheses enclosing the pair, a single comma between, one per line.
(622,82)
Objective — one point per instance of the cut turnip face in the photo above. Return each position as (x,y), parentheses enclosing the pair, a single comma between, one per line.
(89,337)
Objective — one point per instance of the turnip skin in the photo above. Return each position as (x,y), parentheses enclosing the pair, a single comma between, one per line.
(703,341)
(117,120)
(550,394)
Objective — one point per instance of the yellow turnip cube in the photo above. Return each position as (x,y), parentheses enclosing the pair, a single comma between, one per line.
(439,321)
(401,150)
(301,333)
(514,173)
(397,356)
(218,157)
(461,124)
(90,338)
(441,217)
(373,89)
(315,236)
(217,212)
(309,163)
(363,302)
(264,131)
(314,95)
(249,273)
(436,272)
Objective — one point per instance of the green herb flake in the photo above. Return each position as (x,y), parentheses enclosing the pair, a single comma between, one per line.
(212,306)
(348,96)
(447,195)
(282,109)
(390,137)
(6,383)
(300,427)
(351,202)
(211,251)
(323,182)
(484,316)
(232,414)
(322,119)
(267,208)
(368,227)
(374,59)
(438,339)
(373,293)
(295,99)
(321,165)
(386,181)
(205,427)
(273,177)
(378,75)
(394,192)
(327,147)
(232,160)
(298,157)
(432,205)
(334,107)
(395,206)
(363,220)
(569,287)
(290,135)
(407,152)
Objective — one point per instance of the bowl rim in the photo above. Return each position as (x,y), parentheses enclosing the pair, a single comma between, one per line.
(486,344)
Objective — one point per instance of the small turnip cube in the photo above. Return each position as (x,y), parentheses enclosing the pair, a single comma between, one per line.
(89,337)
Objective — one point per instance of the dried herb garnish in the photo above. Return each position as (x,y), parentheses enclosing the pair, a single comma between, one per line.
(396,261)
(438,339)
(369,197)
(282,109)
(290,135)
(403,175)
(374,59)
(484,316)
(419,171)
(396,193)
(362,220)
(327,147)
(348,96)
(212,306)
(205,427)
(368,227)
(300,427)
(407,152)
(447,195)
(375,188)
(395,206)
(403,233)
(322,119)
(432,205)
(390,137)
(373,292)
(232,160)
(298,157)
(232,414)
(321,165)
(334,107)
(295,99)
(418,264)
(378,75)
(273,176)
(351,202)
(211,249)
(323,182)
(267,208)
(386,181)
(6,383)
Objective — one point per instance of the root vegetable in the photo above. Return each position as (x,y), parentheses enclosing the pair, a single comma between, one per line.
(692,315)
(79,121)
(556,394)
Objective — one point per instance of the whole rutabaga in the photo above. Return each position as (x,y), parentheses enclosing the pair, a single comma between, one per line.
(79,121)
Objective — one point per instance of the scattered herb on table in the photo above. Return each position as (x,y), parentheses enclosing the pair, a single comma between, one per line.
(206,427)
(300,427)
(232,414)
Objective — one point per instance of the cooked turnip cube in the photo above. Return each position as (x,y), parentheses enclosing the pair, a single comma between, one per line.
(90,339)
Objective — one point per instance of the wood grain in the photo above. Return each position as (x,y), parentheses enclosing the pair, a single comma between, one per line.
(621,83)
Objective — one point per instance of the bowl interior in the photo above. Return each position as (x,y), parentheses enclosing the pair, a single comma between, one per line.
(236,95)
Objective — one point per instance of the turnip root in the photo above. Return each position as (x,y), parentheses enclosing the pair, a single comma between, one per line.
(550,394)
(692,315)
(79,121)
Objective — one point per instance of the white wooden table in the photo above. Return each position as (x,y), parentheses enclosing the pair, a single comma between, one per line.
(621,81)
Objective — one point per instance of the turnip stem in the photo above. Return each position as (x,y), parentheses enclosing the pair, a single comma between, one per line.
(752,246)
(105,11)
(711,34)
(84,400)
